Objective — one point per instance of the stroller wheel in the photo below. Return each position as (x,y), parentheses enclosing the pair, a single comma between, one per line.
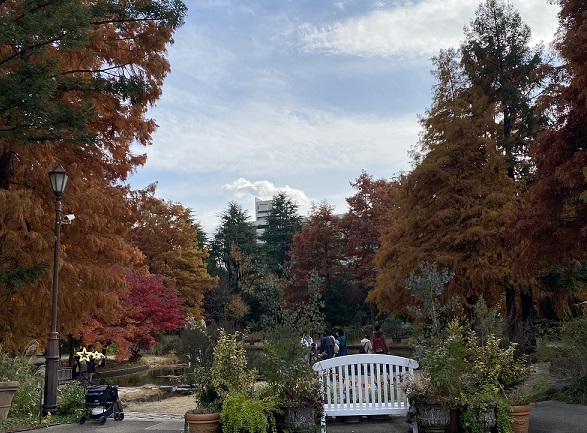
(120,416)
(103,420)
(82,419)
(116,416)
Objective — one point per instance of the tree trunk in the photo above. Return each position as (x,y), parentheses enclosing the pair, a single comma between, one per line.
(5,168)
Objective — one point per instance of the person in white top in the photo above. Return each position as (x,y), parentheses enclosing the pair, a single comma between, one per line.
(306,340)
(366,346)
(308,343)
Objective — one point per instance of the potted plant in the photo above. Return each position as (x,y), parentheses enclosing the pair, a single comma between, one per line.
(492,372)
(521,398)
(244,408)
(205,417)
(196,349)
(436,389)
(18,383)
(293,382)
(429,404)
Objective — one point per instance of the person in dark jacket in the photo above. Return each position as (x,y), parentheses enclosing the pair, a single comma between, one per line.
(327,345)
(342,349)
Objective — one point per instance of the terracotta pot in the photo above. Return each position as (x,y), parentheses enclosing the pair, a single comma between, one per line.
(521,422)
(203,422)
(7,390)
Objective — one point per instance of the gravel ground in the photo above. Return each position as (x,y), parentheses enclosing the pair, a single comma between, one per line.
(149,399)
(172,405)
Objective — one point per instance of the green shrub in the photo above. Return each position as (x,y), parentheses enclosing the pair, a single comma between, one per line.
(242,413)
(229,368)
(573,349)
(71,399)
(165,345)
(26,400)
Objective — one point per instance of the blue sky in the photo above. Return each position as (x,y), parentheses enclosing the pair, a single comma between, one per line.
(299,96)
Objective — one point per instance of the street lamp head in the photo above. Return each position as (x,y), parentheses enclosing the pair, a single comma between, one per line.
(58,177)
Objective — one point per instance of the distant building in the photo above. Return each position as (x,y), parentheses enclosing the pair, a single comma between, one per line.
(262,210)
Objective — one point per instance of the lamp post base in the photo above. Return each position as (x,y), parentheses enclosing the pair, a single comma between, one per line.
(51,366)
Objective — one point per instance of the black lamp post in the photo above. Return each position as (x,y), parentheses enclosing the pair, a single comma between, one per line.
(58,177)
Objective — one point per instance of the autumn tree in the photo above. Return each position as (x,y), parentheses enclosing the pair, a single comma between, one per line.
(369,211)
(553,226)
(498,60)
(167,235)
(483,120)
(148,308)
(317,258)
(283,223)
(452,208)
(76,81)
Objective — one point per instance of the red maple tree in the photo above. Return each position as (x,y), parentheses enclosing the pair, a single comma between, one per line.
(146,310)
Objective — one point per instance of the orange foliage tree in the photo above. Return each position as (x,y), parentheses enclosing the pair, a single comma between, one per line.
(369,211)
(167,236)
(76,81)
(452,208)
(553,225)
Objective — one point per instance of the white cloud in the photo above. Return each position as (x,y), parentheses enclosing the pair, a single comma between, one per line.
(261,138)
(415,28)
(264,190)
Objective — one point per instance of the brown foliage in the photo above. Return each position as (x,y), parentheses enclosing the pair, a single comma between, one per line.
(317,249)
(116,48)
(369,212)
(166,234)
(451,209)
(553,226)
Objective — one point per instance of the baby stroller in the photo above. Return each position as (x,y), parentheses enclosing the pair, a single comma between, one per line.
(102,400)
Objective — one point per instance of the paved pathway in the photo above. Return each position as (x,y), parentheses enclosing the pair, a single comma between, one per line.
(546,417)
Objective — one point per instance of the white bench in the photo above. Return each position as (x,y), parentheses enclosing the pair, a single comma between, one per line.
(365,384)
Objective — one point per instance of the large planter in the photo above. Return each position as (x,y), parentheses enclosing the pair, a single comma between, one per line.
(432,417)
(7,391)
(203,422)
(298,418)
(487,419)
(521,422)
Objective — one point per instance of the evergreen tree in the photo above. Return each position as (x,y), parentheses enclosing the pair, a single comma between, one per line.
(283,223)
(233,253)
(497,59)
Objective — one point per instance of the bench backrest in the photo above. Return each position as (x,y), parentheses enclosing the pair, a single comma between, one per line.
(365,384)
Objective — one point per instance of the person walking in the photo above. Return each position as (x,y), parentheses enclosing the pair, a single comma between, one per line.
(366,346)
(327,345)
(379,344)
(342,349)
